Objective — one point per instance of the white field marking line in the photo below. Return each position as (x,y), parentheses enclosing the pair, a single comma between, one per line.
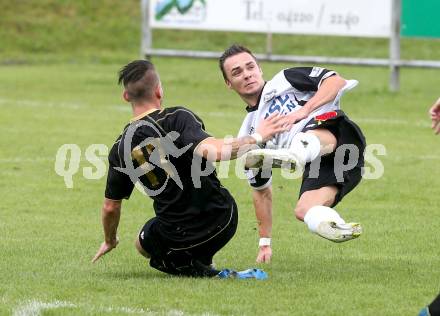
(45,159)
(51,104)
(35,308)
(125,108)
(48,104)
(429,157)
(386,121)
(403,158)
(220,114)
(366,120)
(104,159)
(119,310)
(121,107)
(141,311)
(379,120)
(20,159)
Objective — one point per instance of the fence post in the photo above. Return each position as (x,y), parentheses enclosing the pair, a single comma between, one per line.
(146,34)
(396,10)
(269,44)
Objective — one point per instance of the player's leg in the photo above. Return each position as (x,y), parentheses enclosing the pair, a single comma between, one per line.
(150,245)
(141,250)
(434,307)
(327,140)
(194,260)
(204,251)
(144,242)
(309,145)
(328,179)
(320,136)
(324,196)
(305,147)
(320,191)
(314,208)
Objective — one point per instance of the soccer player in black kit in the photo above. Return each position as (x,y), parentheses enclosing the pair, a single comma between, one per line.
(169,153)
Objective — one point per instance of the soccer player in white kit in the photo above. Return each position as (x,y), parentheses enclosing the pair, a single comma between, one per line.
(309,96)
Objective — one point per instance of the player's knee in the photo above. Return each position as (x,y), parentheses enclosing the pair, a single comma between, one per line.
(300,211)
(141,250)
(326,138)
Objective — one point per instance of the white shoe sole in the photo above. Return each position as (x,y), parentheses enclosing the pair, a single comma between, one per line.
(275,158)
(339,232)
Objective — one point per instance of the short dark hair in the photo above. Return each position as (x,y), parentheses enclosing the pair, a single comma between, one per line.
(139,78)
(232,51)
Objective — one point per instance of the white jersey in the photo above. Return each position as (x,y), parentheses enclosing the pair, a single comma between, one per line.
(285,93)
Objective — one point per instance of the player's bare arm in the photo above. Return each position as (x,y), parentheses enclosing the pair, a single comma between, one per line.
(263,212)
(327,92)
(110,214)
(214,149)
(434,113)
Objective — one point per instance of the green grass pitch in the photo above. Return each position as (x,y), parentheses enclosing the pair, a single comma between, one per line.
(49,233)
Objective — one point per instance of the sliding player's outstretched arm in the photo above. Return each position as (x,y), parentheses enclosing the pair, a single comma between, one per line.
(111,212)
(216,149)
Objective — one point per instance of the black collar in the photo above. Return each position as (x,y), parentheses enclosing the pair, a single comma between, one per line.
(250,109)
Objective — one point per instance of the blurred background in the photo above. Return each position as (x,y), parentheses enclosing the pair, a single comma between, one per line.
(109,30)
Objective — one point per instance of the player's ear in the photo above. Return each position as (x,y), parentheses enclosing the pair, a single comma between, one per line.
(228,83)
(158,91)
(126,96)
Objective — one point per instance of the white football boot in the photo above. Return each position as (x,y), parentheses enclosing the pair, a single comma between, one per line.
(339,232)
(275,158)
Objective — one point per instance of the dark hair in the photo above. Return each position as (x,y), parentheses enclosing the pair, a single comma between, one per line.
(232,51)
(139,79)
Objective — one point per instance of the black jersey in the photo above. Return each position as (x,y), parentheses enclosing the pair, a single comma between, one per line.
(157,151)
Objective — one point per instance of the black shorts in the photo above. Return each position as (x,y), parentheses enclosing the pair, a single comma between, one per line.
(192,259)
(332,167)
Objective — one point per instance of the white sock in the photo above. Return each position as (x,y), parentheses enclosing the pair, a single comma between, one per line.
(306,146)
(317,214)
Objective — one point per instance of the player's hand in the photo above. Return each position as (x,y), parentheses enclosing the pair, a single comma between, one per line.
(434,113)
(105,248)
(272,125)
(294,117)
(264,254)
